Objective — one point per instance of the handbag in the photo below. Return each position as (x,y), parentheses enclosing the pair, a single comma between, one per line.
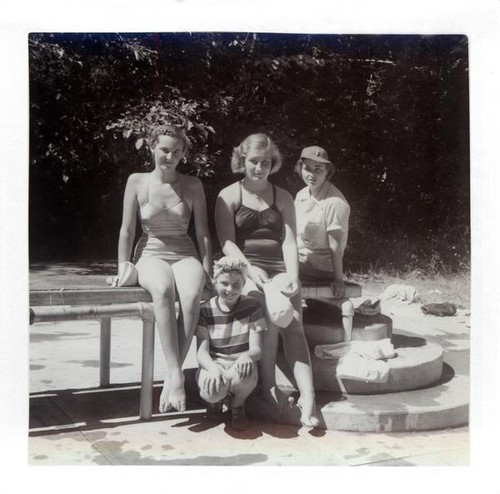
(279,309)
(129,276)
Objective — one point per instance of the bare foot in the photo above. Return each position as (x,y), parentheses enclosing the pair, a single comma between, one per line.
(176,392)
(173,394)
(308,412)
(277,398)
(165,405)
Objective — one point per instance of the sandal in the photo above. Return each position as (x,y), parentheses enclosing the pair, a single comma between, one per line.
(215,412)
(239,421)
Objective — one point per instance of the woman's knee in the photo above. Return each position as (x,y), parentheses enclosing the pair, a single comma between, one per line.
(190,297)
(189,280)
(164,289)
(156,277)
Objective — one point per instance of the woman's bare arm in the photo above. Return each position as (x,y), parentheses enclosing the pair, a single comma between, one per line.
(129,218)
(201,225)
(290,252)
(224,222)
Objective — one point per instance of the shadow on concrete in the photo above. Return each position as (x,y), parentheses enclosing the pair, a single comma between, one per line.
(447,375)
(92,408)
(263,420)
(404,341)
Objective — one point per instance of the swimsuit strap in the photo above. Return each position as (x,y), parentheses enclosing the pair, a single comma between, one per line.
(149,183)
(181,195)
(147,193)
(274,194)
(241,195)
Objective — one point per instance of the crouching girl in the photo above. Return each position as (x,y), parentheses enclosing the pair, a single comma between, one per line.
(229,335)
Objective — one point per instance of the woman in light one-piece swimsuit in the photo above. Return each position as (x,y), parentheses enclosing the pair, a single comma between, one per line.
(256,222)
(166,258)
(164,229)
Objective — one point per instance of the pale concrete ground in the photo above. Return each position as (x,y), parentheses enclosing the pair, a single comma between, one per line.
(73,422)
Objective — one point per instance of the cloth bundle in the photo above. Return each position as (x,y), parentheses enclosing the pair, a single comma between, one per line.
(439,309)
(360,360)
(403,293)
(361,368)
(127,276)
(376,350)
(279,309)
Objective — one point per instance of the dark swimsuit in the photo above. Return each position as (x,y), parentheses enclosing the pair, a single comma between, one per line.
(259,235)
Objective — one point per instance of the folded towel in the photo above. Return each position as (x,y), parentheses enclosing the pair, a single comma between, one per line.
(404,293)
(375,350)
(379,349)
(360,368)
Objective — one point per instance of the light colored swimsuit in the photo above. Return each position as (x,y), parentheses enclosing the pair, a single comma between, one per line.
(164,230)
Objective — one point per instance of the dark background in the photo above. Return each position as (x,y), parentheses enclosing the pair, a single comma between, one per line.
(392,111)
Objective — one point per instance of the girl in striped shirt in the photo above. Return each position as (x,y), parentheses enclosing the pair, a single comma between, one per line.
(229,336)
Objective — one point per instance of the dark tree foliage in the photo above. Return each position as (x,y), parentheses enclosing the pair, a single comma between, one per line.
(392,111)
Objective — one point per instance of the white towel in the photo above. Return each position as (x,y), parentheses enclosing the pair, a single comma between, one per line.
(404,293)
(376,350)
(360,368)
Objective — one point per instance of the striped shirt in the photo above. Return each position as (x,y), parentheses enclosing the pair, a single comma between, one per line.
(228,332)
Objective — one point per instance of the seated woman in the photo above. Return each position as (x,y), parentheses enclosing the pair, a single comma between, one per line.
(255,222)
(165,256)
(322,221)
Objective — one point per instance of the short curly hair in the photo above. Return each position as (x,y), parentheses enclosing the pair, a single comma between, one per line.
(228,264)
(255,141)
(175,131)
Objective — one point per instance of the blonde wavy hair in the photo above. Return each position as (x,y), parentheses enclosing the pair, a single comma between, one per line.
(258,142)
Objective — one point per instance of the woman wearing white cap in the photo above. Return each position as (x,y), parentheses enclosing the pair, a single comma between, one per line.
(322,221)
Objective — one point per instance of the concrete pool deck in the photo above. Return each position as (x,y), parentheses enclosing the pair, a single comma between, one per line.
(74,422)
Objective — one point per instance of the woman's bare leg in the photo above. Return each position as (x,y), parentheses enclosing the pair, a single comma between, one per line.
(157,277)
(298,357)
(189,281)
(267,363)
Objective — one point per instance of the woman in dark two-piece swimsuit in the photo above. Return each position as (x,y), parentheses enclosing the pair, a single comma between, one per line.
(165,256)
(256,221)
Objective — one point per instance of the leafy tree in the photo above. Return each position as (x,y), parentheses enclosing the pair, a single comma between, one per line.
(391,110)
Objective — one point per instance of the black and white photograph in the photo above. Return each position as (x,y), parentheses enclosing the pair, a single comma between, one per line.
(251,246)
